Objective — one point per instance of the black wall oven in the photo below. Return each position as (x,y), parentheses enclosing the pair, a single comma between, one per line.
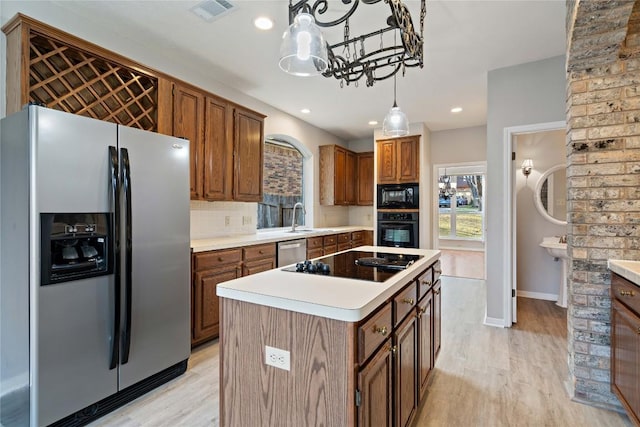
(398,229)
(398,196)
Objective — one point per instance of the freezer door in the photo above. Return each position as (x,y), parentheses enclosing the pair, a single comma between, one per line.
(156,307)
(74,320)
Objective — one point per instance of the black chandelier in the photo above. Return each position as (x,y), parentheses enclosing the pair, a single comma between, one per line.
(352,58)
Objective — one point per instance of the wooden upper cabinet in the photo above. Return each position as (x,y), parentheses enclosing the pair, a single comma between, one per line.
(340,176)
(364,168)
(188,122)
(248,156)
(226,145)
(218,150)
(398,160)
(387,161)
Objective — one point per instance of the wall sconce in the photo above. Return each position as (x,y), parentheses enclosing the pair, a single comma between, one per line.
(527,165)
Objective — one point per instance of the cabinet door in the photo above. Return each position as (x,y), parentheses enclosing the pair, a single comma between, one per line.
(350,181)
(248,156)
(408,159)
(375,386)
(425,343)
(218,150)
(340,159)
(365,179)
(386,162)
(206,310)
(437,326)
(405,372)
(188,122)
(625,369)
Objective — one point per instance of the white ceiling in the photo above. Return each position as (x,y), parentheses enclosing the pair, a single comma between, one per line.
(463,40)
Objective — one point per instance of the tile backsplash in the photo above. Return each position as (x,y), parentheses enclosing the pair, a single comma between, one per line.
(218,219)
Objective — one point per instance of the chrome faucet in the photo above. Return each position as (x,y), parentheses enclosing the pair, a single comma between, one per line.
(293,216)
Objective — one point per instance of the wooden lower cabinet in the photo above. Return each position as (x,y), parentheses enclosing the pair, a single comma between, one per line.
(437,319)
(400,369)
(258,258)
(425,343)
(205,307)
(625,345)
(375,390)
(405,370)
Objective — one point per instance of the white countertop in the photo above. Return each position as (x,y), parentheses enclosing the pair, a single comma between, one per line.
(337,298)
(630,270)
(269,236)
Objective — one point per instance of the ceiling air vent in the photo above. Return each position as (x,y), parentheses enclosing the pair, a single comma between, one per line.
(210,10)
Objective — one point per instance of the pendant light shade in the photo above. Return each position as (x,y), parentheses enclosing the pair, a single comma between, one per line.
(395,122)
(303,51)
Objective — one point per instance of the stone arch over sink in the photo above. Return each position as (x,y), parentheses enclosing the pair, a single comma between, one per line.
(603,179)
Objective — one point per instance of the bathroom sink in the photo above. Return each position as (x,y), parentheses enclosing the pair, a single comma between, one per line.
(559,252)
(554,247)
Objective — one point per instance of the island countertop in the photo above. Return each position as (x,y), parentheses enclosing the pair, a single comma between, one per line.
(336,298)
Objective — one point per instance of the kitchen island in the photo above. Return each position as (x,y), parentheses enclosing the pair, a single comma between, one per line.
(312,349)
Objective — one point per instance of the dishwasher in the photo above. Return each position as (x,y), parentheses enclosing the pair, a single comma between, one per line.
(292,251)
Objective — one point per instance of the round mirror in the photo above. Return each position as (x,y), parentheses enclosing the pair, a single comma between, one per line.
(551,195)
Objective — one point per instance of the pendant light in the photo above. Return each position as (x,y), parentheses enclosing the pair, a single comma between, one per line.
(395,122)
(303,51)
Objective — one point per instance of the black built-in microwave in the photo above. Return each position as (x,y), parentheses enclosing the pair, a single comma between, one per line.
(398,196)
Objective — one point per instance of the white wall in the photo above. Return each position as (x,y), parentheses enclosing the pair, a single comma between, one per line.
(520,95)
(459,145)
(538,276)
(161,59)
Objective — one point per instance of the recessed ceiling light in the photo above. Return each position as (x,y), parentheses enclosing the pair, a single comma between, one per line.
(456,109)
(373,122)
(305,111)
(263,23)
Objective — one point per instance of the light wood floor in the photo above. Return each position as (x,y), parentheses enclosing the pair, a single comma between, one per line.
(484,376)
(459,263)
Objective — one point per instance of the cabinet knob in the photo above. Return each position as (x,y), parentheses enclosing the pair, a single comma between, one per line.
(393,349)
(421,311)
(437,292)
(638,330)
(426,282)
(408,301)
(220,259)
(437,271)
(382,331)
(260,251)
(627,293)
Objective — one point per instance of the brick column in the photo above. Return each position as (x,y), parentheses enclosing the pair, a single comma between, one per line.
(603,174)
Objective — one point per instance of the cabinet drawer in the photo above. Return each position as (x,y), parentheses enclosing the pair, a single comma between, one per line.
(437,270)
(374,332)
(344,237)
(212,259)
(424,282)
(259,251)
(404,302)
(330,240)
(344,246)
(626,292)
(314,242)
(314,253)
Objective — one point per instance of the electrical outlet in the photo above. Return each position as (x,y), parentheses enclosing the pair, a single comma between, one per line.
(246,220)
(279,358)
(227,220)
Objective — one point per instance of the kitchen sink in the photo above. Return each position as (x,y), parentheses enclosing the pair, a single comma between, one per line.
(304,230)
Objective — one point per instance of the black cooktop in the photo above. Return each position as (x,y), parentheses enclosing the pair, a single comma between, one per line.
(371,266)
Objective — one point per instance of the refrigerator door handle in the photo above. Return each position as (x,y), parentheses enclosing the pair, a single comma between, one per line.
(115,209)
(126,184)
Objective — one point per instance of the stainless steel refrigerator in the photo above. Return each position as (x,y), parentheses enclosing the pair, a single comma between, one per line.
(94,265)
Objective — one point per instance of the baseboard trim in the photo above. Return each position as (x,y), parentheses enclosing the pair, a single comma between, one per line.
(538,295)
(496,322)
